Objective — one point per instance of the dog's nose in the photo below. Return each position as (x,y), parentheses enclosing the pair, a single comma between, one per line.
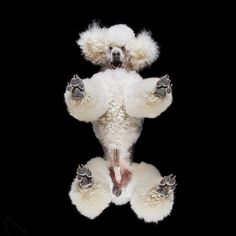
(116,54)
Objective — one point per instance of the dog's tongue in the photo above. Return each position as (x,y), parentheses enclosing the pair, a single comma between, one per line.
(116,63)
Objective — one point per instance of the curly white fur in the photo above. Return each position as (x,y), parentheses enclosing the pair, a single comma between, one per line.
(116,101)
(141,51)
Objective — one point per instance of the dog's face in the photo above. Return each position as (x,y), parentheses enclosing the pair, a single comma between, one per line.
(103,46)
(116,57)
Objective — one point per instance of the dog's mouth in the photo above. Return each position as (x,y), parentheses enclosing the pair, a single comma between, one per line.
(116,64)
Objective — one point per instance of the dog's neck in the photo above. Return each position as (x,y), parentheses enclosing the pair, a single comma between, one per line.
(108,66)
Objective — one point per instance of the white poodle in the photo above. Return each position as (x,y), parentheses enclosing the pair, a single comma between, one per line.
(116,100)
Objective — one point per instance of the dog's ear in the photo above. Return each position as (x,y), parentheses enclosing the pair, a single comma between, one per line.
(143,51)
(93,44)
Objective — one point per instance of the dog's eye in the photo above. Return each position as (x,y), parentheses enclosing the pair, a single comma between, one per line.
(110,48)
(123,48)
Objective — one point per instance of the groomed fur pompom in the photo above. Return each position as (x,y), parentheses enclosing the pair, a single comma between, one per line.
(143,51)
(93,44)
(120,35)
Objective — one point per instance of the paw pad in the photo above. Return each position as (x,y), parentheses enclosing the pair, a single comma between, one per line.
(166,186)
(76,87)
(84,176)
(163,86)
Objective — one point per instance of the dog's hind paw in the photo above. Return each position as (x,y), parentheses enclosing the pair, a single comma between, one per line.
(84,176)
(166,186)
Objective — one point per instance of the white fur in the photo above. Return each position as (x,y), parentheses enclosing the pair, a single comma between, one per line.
(116,102)
(95,102)
(145,178)
(141,102)
(115,129)
(141,51)
(94,45)
(92,201)
(119,35)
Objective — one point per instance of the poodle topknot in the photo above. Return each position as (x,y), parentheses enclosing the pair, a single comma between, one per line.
(118,46)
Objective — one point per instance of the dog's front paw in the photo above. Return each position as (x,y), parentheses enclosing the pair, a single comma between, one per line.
(84,177)
(76,87)
(163,86)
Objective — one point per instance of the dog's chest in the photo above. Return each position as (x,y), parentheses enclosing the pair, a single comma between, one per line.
(116,114)
(115,124)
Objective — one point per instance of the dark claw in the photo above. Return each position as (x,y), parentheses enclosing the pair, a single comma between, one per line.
(89,173)
(79,177)
(172,181)
(163,182)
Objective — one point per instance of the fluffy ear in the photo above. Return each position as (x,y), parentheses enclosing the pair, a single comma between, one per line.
(93,44)
(143,51)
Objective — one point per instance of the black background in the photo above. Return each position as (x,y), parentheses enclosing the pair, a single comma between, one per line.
(43,145)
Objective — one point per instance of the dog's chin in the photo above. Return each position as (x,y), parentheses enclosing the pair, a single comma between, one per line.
(116,64)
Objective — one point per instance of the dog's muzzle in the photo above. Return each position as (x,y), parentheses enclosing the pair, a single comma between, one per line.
(116,60)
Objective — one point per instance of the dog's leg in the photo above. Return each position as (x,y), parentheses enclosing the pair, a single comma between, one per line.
(149,97)
(152,196)
(86,99)
(90,190)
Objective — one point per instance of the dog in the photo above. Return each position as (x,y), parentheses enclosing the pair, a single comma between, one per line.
(116,100)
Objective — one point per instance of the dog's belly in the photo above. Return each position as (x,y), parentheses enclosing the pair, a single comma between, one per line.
(117,133)
(115,129)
